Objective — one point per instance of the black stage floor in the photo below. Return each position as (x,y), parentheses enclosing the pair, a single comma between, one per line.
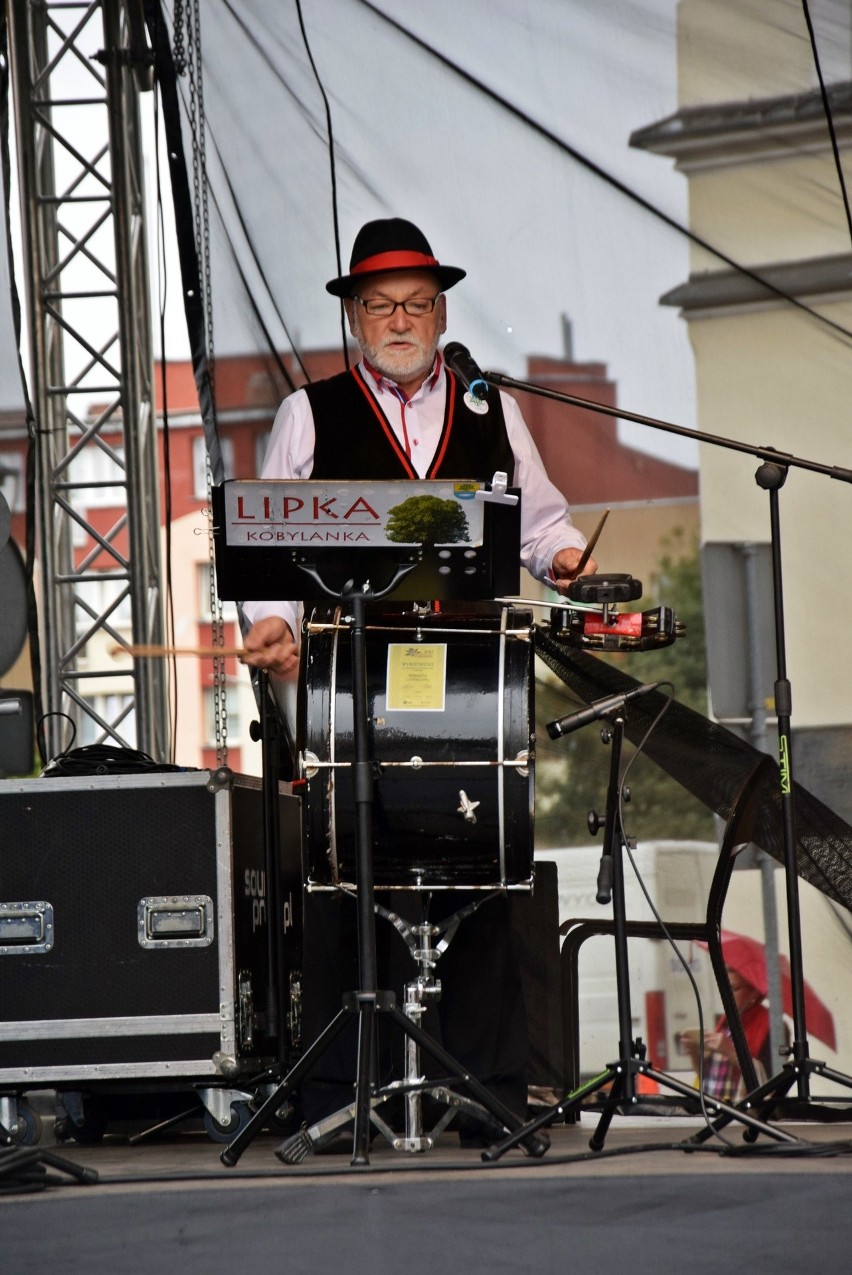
(643,1203)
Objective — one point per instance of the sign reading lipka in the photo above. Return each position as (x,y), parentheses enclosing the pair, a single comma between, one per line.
(303,513)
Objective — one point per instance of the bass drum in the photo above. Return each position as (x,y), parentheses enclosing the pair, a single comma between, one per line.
(451,721)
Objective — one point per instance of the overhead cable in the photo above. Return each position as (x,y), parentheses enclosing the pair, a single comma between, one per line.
(600,172)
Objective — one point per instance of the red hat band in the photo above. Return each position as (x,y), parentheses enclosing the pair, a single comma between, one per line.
(394,261)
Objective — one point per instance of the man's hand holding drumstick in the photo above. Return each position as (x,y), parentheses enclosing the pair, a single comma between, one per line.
(270,644)
(568,564)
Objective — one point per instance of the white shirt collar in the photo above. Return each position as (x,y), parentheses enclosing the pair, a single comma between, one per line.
(433,381)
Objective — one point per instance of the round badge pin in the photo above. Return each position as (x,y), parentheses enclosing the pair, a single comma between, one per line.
(475,404)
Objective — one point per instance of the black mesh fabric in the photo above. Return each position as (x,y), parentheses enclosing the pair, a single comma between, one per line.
(714,764)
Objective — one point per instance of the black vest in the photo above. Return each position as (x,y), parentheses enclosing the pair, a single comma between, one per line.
(354,439)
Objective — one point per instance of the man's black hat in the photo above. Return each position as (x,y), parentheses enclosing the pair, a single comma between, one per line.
(391,244)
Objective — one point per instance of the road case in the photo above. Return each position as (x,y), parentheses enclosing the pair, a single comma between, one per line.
(134,942)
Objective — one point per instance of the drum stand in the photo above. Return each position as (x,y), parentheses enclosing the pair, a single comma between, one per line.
(631,1062)
(367,1002)
(423,990)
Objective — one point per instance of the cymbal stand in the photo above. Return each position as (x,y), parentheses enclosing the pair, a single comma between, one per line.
(367,1001)
(631,1062)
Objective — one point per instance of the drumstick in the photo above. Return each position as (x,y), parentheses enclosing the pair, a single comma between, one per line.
(166,652)
(587,552)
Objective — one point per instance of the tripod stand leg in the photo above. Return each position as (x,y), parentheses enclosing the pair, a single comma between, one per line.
(613,1099)
(364,1083)
(234,1150)
(764,1099)
(565,1107)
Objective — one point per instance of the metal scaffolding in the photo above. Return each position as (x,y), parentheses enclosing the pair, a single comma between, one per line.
(77,70)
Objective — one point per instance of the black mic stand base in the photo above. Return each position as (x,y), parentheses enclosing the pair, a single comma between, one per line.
(771,1096)
(621,1077)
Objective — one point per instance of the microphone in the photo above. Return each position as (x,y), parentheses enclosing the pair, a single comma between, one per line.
(599,708)
(458,359)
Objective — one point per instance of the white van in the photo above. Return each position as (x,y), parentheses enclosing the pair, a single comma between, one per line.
(677,876)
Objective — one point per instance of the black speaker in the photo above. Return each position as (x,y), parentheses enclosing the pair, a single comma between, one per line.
(17,753)
(535,920)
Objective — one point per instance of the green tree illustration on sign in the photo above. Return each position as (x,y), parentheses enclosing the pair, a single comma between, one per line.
(427,520)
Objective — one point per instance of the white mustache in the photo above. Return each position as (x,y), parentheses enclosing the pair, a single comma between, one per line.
(408,338)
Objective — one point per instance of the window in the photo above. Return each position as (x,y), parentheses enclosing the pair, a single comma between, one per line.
(94,465)
(111,709)
(98,596)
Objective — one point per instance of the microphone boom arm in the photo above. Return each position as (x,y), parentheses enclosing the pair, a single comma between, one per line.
(767,454)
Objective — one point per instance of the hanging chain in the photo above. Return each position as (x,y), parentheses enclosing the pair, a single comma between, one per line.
(202,239)
(179,51)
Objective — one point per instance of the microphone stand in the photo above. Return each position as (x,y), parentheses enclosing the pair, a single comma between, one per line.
(620,1077)
(770,476)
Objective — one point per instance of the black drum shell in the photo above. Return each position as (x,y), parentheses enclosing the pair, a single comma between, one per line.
(421,838)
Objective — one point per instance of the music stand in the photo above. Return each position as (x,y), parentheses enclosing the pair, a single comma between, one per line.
(308,540)
(481,565)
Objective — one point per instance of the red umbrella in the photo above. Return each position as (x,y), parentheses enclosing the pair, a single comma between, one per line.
(748,958)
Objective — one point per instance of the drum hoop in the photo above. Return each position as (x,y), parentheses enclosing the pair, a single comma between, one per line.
(331,847)
(501,741)
(321,626)
(520,763)
(349,887)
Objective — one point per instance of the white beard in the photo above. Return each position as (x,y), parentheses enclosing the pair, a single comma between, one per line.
(395,365)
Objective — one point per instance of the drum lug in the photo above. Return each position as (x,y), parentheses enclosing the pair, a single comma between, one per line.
(467,807)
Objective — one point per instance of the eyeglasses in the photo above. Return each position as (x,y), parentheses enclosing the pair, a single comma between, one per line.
(383,307)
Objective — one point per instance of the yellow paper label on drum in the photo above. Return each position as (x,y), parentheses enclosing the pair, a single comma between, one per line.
(417,675)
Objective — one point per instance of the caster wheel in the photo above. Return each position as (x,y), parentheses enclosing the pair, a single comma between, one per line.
(284,1122)
(85,1122)
(28,1130)
(63,1130)
(241,1113)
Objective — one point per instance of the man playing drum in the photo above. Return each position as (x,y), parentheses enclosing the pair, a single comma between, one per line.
(401,413)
